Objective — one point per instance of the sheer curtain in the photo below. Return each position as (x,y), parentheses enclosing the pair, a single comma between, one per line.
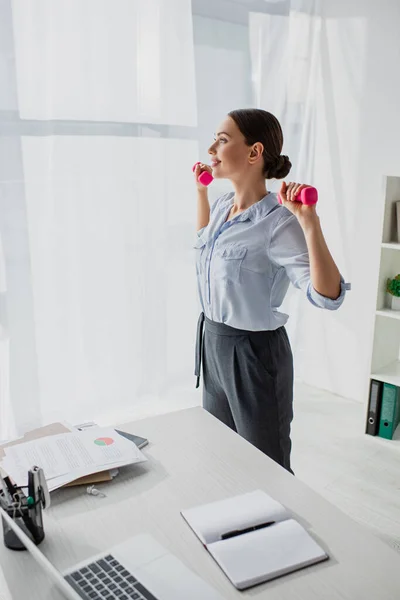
(97,208)
(301,74)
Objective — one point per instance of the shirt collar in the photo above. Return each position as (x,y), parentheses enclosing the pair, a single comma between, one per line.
(257,211)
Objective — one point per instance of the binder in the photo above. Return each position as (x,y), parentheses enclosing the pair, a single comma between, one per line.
(390,411)
(374,407)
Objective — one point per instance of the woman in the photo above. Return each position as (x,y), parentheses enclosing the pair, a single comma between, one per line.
(249,248)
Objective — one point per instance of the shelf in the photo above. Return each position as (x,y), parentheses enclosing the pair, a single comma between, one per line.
(385,357)
(391,246)
(388,312)
(394,443)
(389,374)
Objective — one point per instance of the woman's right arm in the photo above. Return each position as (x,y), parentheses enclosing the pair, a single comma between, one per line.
(203,206)
(203,209)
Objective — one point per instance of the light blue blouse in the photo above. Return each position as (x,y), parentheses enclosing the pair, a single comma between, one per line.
(244,265)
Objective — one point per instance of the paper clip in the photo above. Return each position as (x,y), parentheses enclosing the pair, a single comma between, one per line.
(92,491)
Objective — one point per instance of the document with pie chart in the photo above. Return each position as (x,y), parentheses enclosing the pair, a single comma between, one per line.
(68,456)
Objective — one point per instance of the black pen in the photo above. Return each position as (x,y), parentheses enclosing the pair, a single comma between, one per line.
(236,532)
(8,489)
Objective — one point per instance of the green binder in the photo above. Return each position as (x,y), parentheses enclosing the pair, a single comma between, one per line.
(390,411)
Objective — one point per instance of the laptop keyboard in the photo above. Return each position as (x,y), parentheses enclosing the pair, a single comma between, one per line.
(107,579)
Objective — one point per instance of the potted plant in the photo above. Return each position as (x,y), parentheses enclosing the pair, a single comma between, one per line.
(393,288)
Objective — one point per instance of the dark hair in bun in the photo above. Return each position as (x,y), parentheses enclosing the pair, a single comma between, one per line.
(258,125)
(280,168)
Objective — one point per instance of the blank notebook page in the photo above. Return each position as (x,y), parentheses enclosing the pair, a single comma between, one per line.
(261,555)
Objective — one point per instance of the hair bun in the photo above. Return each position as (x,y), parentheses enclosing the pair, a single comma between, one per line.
(280,167)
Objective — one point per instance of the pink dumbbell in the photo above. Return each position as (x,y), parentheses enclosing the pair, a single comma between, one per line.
(308,196)
(205,177)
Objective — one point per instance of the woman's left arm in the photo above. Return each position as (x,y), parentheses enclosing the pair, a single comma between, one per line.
(325,276)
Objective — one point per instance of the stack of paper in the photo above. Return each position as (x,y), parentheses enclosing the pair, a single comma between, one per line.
(68,456)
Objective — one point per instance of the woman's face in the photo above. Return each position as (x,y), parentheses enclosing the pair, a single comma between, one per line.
(229,152)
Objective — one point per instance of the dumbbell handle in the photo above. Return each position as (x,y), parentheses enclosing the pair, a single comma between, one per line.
(308,196)
(205,177)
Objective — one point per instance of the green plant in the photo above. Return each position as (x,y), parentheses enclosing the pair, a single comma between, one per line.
(393,286)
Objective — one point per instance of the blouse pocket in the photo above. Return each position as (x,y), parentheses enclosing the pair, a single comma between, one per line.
(229,262)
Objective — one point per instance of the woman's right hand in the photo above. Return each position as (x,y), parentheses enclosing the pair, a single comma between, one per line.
(200,168)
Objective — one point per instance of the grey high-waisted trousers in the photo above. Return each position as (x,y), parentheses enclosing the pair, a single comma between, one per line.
(248,383)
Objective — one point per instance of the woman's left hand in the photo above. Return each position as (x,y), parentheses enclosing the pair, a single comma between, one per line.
(288,192)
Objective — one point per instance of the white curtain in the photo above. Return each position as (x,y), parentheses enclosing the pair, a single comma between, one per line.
(97,208)
(103,60)
(301,73)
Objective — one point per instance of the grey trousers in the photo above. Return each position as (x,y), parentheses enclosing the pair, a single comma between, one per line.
(248,384)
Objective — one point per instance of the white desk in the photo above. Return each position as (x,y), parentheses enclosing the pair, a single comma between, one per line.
(195,459)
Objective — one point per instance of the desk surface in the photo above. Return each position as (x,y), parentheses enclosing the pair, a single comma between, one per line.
(194,459)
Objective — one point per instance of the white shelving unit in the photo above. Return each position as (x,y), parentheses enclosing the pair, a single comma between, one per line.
(385,360)
(391,246)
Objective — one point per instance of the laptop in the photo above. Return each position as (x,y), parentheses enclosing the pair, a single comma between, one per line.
(138,569)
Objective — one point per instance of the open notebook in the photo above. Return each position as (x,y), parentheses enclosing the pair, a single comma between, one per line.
(253,538)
